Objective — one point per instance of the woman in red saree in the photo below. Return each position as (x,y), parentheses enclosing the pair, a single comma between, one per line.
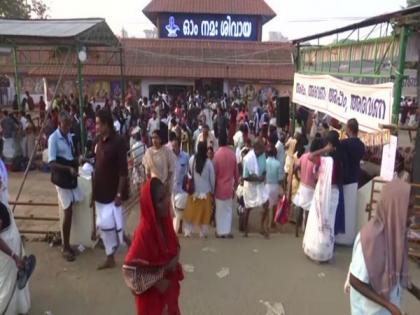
(155,245)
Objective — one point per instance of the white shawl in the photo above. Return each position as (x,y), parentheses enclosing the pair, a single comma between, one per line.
(322,199)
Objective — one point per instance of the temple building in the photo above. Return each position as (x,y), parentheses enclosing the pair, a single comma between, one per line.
(213,46)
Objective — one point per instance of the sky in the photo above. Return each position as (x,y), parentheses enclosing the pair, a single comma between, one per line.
(295,18)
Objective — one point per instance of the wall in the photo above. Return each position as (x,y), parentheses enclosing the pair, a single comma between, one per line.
(255,92)
(100,88)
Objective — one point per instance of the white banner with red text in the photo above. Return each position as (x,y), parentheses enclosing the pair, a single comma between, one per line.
(371,105)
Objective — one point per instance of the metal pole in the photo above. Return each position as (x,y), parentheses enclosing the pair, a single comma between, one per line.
(399,75)
(81,105)
(17,83)
(416,166)
(339,58)
(293,109)
(122,75)
(350,51)
(361,58)
(376,56)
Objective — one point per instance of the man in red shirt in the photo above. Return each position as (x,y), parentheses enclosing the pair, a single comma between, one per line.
(226,173)
(109,185)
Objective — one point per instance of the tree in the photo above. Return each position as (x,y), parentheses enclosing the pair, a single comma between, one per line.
(411,3)
(15,9)
(40,9)
(21,9)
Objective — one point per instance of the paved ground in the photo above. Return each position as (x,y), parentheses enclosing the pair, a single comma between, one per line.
(272,271)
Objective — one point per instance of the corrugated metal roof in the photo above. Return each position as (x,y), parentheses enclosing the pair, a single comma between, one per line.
(46,28)
(245,7)
(63,31)
(382,18)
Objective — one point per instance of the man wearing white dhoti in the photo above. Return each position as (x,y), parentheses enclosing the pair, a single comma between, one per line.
(308,176)
(109,185)
(254,191)
(353,150)
(227,178)
(179,196)
(63,163)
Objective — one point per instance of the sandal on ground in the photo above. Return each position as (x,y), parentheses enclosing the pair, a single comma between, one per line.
(68,256)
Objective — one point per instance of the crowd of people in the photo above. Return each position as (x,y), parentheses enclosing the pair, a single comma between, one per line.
(194,162)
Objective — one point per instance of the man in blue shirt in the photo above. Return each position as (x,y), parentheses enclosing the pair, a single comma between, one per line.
(179,196)
(62,160)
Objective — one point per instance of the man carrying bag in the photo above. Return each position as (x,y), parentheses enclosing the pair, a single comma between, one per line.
(64,170)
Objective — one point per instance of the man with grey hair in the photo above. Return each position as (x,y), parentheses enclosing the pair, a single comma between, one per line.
(64,168)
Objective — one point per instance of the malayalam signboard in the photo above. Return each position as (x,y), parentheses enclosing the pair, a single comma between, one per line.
(371,105)
(210,26)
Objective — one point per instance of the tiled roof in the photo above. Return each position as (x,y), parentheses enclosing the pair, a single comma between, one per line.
(245,7)
(209,59)
(177,59)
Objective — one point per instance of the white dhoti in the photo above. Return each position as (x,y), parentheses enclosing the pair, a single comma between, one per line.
(12,300)
(9,149)
(273,191)
(303,197)
(68,196)
(224,210)
(350,215)
(179,203)
(255,194)
(109,220)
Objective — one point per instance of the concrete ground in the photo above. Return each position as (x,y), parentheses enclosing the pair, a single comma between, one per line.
(260,271)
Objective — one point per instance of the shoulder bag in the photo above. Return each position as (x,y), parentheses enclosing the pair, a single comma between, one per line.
(63,178)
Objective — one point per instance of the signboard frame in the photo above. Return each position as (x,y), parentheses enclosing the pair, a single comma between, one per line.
(230,27)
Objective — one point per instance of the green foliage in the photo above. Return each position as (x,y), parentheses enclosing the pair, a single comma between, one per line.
(411,3)
(22,9)
(15,9)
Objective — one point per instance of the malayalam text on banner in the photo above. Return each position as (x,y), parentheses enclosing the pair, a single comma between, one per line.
(371,105)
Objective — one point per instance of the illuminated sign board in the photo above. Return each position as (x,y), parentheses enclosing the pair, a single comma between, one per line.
(214,26)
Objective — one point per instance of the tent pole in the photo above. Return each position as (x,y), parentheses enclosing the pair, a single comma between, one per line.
(17,83)
(122,75)
(81,105)
(416,166)
(399,76)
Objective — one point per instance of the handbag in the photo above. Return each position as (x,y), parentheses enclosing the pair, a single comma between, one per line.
(139,282)
(188,182)
(282,210)
(63,178)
